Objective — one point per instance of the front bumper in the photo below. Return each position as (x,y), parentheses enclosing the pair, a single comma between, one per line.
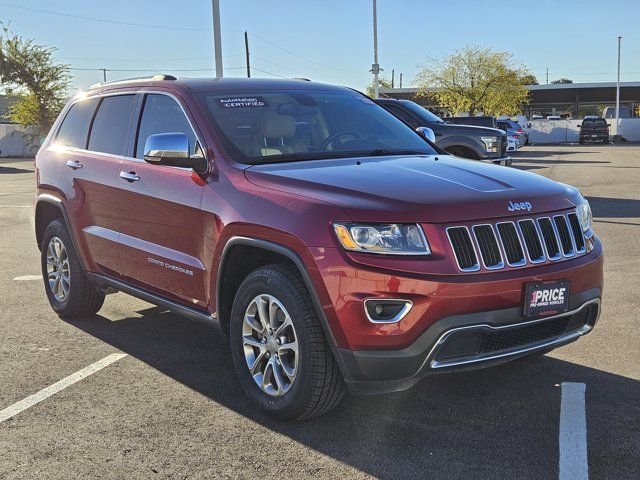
(445,346)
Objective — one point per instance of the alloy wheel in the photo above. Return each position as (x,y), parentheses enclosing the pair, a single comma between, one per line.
(58,269)
(270,345)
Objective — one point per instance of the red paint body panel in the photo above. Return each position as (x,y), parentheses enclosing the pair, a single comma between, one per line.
(180,220)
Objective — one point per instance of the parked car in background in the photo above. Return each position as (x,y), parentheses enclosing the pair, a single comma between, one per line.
(522,121)
(512,145)
(514,130)
(536,117)
(335,247)
(610,112)
(554,117)
(594,130)
(481,121)
(466,141)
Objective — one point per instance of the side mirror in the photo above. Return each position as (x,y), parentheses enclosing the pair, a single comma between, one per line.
(608,124)
(579,125)
(426,133)
(172,149)
(529,125)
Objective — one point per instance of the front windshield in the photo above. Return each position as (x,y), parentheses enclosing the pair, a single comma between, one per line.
(422,112)
(280,125)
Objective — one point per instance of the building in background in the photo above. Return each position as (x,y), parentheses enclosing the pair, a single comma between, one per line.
(567,100)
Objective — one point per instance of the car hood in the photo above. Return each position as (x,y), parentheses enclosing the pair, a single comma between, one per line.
(425,188)
(469,129)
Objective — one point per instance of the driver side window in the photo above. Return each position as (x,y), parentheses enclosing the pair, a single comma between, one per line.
(162,114)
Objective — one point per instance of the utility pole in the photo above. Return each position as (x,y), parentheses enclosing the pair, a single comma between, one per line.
(547,76)
(400,80)
(392,79)
(104,74)
(617,135)
(375,68)
(246,52)
(217,41)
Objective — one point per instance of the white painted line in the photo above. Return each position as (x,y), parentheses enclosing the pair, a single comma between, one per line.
(28,278)
(45,393)
(574,463)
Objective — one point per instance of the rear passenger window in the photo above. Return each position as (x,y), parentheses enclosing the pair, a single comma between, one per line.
(162,114)
(75,126)
(110,129)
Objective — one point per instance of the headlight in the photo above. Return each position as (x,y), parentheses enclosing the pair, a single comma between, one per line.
(583,211)
(395,239)
(490,143)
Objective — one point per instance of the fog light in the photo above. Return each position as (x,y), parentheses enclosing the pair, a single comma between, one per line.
(386,310)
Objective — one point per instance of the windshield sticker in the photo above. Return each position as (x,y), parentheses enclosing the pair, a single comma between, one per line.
(242,102)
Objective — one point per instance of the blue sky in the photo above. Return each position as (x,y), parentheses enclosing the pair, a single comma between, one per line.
(330,40)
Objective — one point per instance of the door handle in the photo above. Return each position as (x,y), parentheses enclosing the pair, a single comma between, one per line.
(129,176)
(74,164)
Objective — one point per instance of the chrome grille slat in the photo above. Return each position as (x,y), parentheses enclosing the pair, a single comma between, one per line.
(532,241)
(525,241)
(578,236)
(488,246)
(463,249)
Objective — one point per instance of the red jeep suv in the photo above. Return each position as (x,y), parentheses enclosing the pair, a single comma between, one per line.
(334,246)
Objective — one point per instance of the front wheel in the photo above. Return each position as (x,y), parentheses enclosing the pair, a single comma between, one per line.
(68,289)
(278,347)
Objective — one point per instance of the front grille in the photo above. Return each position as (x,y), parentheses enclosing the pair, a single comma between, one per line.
(470,343)
(576,229)
(565,236)
(532,240)
(488,244)
(463,249)
(526,241)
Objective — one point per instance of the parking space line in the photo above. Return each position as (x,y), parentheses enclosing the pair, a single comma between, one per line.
(45,393)
(574,462)
(28,278)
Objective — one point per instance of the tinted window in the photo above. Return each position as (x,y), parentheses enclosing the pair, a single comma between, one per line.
(292,125)
(75,126)
(402,115)
(594,123)
(422,112)
(110,129)
(162,114)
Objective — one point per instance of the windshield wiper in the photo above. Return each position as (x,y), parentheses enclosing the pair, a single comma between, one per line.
(380,152)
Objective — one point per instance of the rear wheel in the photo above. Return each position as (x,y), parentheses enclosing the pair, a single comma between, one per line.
(68,289)
(279,351)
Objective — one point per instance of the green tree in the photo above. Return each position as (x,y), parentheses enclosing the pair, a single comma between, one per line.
(29,71)
(382,82)
(475,80)
(529,79)
(562,81)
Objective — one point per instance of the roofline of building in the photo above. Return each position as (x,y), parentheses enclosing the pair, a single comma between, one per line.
(551,86)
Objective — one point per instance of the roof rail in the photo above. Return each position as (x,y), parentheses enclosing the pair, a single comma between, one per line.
(134,79)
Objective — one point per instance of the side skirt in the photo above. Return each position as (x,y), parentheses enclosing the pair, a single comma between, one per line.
(106,282)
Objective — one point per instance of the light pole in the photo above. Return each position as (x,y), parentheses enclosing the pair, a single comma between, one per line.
(217,41)
(375,68)
(617,135)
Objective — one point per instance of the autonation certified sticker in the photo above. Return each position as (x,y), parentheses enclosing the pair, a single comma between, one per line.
(546,298)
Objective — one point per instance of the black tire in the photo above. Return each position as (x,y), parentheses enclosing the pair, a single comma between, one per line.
(318,386)
(82,299)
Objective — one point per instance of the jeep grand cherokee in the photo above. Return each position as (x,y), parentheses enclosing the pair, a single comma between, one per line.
(335,247)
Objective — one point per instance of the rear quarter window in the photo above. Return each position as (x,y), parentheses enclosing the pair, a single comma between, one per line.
(75,126)
(111,126)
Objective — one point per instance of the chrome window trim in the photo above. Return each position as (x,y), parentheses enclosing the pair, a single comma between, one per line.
(573,243)
(535,226)
(558,256)
(560,339)
(50,146)
(474,268)
(499,265)
(408,305)
(520,241)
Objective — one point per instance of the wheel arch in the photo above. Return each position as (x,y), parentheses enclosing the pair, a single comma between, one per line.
(253,253)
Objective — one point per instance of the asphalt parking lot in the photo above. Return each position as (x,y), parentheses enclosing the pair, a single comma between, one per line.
(171,408)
